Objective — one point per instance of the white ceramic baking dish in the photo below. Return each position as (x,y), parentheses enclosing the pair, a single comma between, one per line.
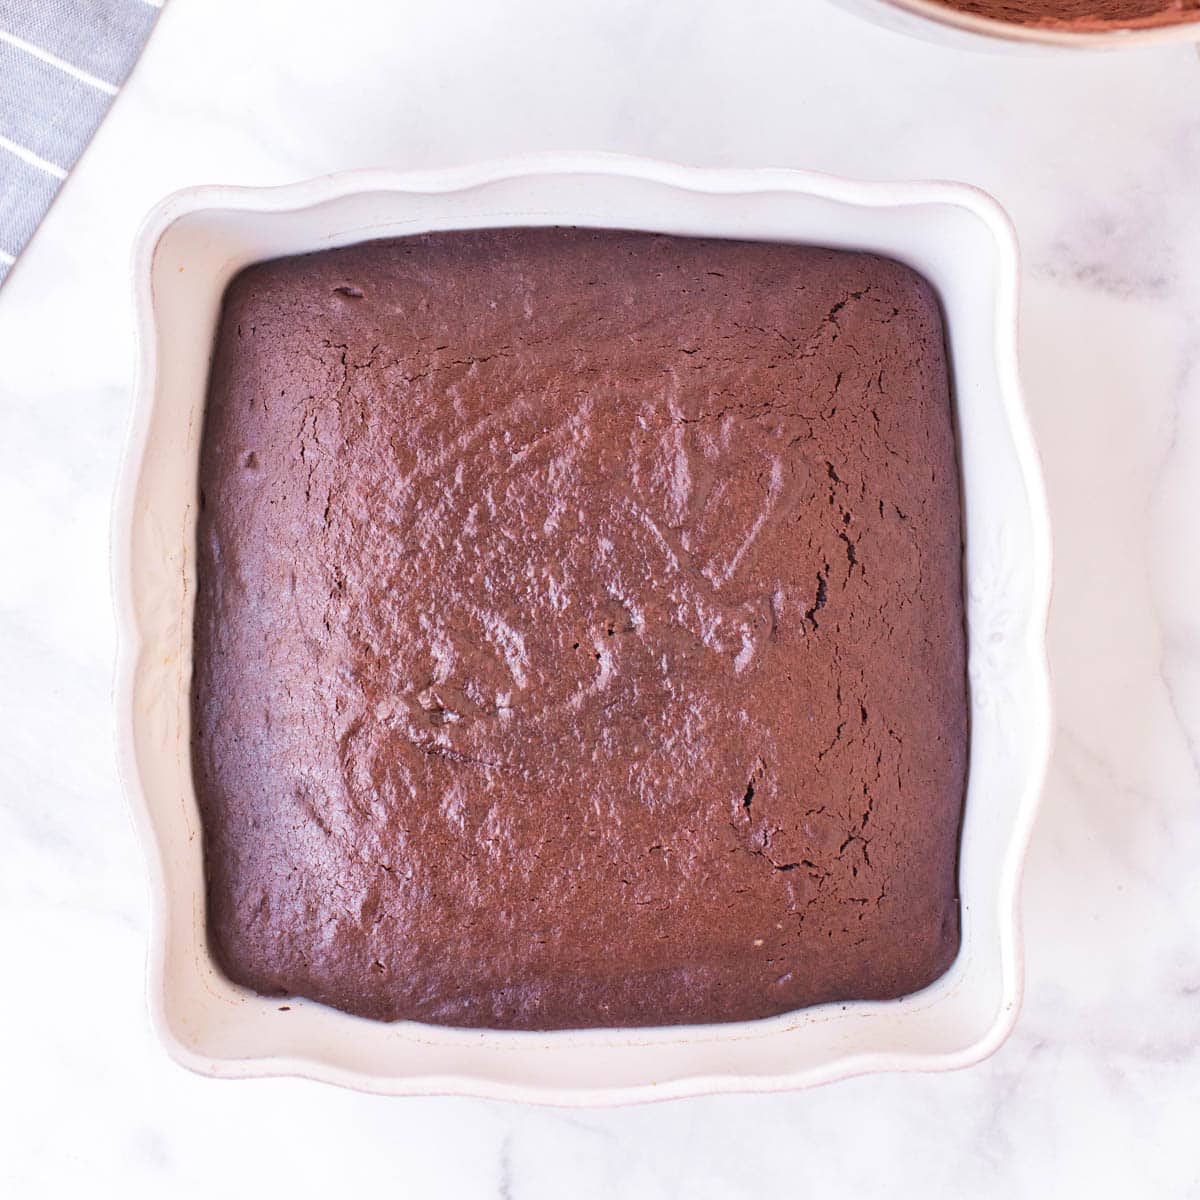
(939,22)
(188,249)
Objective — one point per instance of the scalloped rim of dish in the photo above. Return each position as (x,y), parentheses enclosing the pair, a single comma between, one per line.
(940,12)
(704,181)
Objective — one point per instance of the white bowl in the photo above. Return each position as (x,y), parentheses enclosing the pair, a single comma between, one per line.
(190,247)
(939,22)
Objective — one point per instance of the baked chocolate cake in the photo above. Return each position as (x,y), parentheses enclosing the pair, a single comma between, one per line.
(1084,16)
(579,630)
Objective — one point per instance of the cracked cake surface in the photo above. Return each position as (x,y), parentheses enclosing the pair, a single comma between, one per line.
(579,630)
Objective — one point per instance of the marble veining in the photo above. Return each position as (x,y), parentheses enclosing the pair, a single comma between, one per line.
(1097,157)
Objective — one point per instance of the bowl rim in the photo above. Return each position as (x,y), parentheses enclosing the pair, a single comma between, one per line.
(703,180)
(941,12)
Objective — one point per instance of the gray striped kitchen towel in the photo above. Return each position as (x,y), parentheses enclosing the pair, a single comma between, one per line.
(61,63)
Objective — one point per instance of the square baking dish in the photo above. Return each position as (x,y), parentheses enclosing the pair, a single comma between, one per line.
(193,243)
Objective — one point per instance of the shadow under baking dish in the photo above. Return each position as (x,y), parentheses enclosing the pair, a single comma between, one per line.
(189,249)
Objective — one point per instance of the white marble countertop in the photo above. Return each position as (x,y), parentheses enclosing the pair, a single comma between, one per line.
(1097,157)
